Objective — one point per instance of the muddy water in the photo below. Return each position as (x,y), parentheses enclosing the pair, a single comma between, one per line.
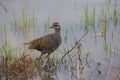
(103,51)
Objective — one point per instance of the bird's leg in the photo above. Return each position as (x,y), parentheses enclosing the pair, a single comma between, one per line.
(40,56)
(48,56)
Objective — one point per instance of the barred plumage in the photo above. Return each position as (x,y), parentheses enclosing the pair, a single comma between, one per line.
(47,43)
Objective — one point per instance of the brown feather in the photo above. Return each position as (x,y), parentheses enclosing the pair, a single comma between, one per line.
(47,43)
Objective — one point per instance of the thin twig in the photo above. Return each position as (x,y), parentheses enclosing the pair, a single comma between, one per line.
(3,7)
(77,42)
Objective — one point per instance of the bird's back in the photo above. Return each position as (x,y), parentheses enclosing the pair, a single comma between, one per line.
(47,43)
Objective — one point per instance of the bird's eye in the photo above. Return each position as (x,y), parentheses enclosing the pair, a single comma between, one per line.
(56,25)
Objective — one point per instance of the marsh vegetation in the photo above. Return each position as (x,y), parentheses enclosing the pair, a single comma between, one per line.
(90,47)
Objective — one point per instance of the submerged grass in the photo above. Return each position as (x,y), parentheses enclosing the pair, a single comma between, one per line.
(46,25)
(115,16)
(12,67)
(88,19)
(24,23)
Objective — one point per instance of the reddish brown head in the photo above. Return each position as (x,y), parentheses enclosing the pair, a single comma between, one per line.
(56,26)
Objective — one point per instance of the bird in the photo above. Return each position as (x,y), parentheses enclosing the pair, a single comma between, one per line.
(100,34)
(47,44)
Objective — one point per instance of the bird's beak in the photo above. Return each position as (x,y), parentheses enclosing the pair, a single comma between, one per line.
(51,27)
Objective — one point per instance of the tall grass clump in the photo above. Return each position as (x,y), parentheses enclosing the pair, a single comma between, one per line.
(6,50)
(46,25)
(89,18)
(5,33)
(115,16)
(24,23)
(86,19)
(11,66)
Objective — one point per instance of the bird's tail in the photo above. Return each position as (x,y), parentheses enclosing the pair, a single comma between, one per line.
(26,43)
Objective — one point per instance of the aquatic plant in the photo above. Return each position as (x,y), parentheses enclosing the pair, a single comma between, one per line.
(46,25)
(24,23)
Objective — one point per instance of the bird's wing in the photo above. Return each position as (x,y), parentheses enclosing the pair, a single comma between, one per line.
(45,41)
(40,43)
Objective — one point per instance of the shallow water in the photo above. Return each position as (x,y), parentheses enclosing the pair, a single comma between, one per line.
(103,50)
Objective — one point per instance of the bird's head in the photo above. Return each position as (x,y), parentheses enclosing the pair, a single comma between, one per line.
(56,26)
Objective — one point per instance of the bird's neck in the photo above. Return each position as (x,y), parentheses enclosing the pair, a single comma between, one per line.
(57,31)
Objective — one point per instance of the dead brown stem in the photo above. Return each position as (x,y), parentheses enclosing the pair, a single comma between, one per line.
(76,43)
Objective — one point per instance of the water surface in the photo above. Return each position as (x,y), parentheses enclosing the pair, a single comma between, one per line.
(103,50)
